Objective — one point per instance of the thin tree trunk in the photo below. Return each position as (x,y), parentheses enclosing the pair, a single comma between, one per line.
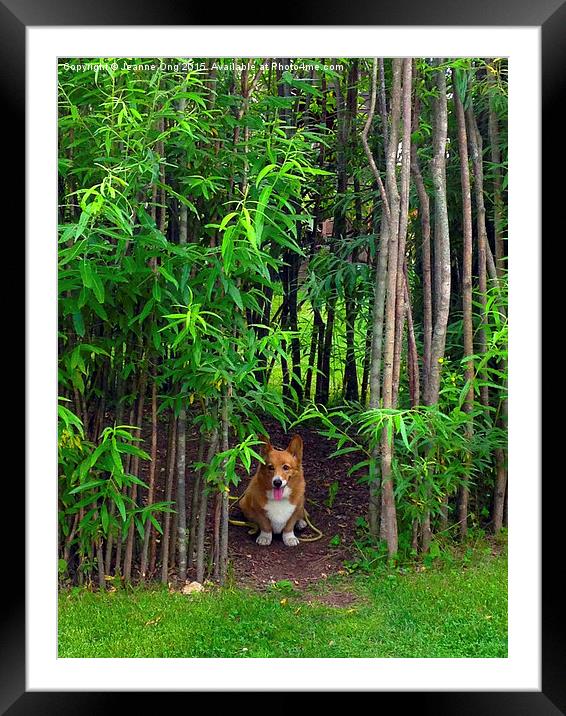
(394,203)
(152,472)
(351,391)
(500,489)
(181,455)
(374,504)
(223,555)
(424,203)
(323,387)
(119,541)
(174,525)
(285,377)
(100,564)
(109,543)
(413,358)
(261,332)
(367,361)
(351,388)
(70,538)
(497,192)
(216,536)
(442,237)
(312,354)
(203,509)
(339,233)
(378,316)
(128,556)
(382,100)
(319,357)
(403,222)
(500,497)
(181,494)
(171,449)
(383,248)
(442,257)
(443,517)
(119,420)
(195,503)
(389,516)
(463,497)
(296,383)
(98,421)
(477,161)
(426,533)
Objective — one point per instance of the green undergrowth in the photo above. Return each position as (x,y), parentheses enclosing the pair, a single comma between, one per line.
(449,610)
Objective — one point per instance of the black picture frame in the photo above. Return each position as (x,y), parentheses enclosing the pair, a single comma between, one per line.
(15,16)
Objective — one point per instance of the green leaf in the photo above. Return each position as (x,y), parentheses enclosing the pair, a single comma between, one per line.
(81,226)
(115,454)
(236,295)
(280,238)
(98,287)
(264,172)
(70,418)
(163,271)
(104,517)
(134,478)
(120,505)
(226,220)
(85,269)
(358,466)
(260,211)
(403,431)
(344,451)
(156,524)
(132,450)
(87,486)
(227,248)
(250,233)
(99,310)
(146,310)
(79,323)
(69,254)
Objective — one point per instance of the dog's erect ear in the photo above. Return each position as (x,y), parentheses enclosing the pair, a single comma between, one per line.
(266,445)
(295,447)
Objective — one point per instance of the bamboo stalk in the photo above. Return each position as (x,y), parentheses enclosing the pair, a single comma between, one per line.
(213,446)
(171,449)
(152,471)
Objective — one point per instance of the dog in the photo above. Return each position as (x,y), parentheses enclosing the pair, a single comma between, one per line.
(275,498)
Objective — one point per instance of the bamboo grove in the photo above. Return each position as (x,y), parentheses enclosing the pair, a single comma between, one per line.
(252,240)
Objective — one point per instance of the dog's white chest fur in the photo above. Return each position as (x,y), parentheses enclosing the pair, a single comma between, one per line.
(279,512)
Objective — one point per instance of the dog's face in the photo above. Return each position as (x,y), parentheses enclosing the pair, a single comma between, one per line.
(282,467)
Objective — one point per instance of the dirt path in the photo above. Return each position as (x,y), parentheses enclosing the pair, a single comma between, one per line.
(309,561)
(257,566)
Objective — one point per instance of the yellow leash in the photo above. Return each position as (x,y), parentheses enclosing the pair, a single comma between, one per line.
(313,528)
(253,528)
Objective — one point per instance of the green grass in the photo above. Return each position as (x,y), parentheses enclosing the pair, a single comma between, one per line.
(456,611)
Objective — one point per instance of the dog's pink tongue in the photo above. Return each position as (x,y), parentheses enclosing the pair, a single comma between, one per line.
(277,493)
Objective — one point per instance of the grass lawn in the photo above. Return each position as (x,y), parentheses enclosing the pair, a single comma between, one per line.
(448,611)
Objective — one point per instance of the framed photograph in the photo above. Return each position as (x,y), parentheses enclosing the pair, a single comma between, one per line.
(45,50)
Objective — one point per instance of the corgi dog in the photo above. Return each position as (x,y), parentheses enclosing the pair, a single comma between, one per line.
(275,497)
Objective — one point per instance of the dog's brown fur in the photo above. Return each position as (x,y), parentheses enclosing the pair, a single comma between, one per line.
(287,464)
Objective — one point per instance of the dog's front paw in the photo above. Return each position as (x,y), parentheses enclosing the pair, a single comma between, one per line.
(301,524)
(290,540)
(264,539)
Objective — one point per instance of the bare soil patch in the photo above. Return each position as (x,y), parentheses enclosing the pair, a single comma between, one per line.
(309,562)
